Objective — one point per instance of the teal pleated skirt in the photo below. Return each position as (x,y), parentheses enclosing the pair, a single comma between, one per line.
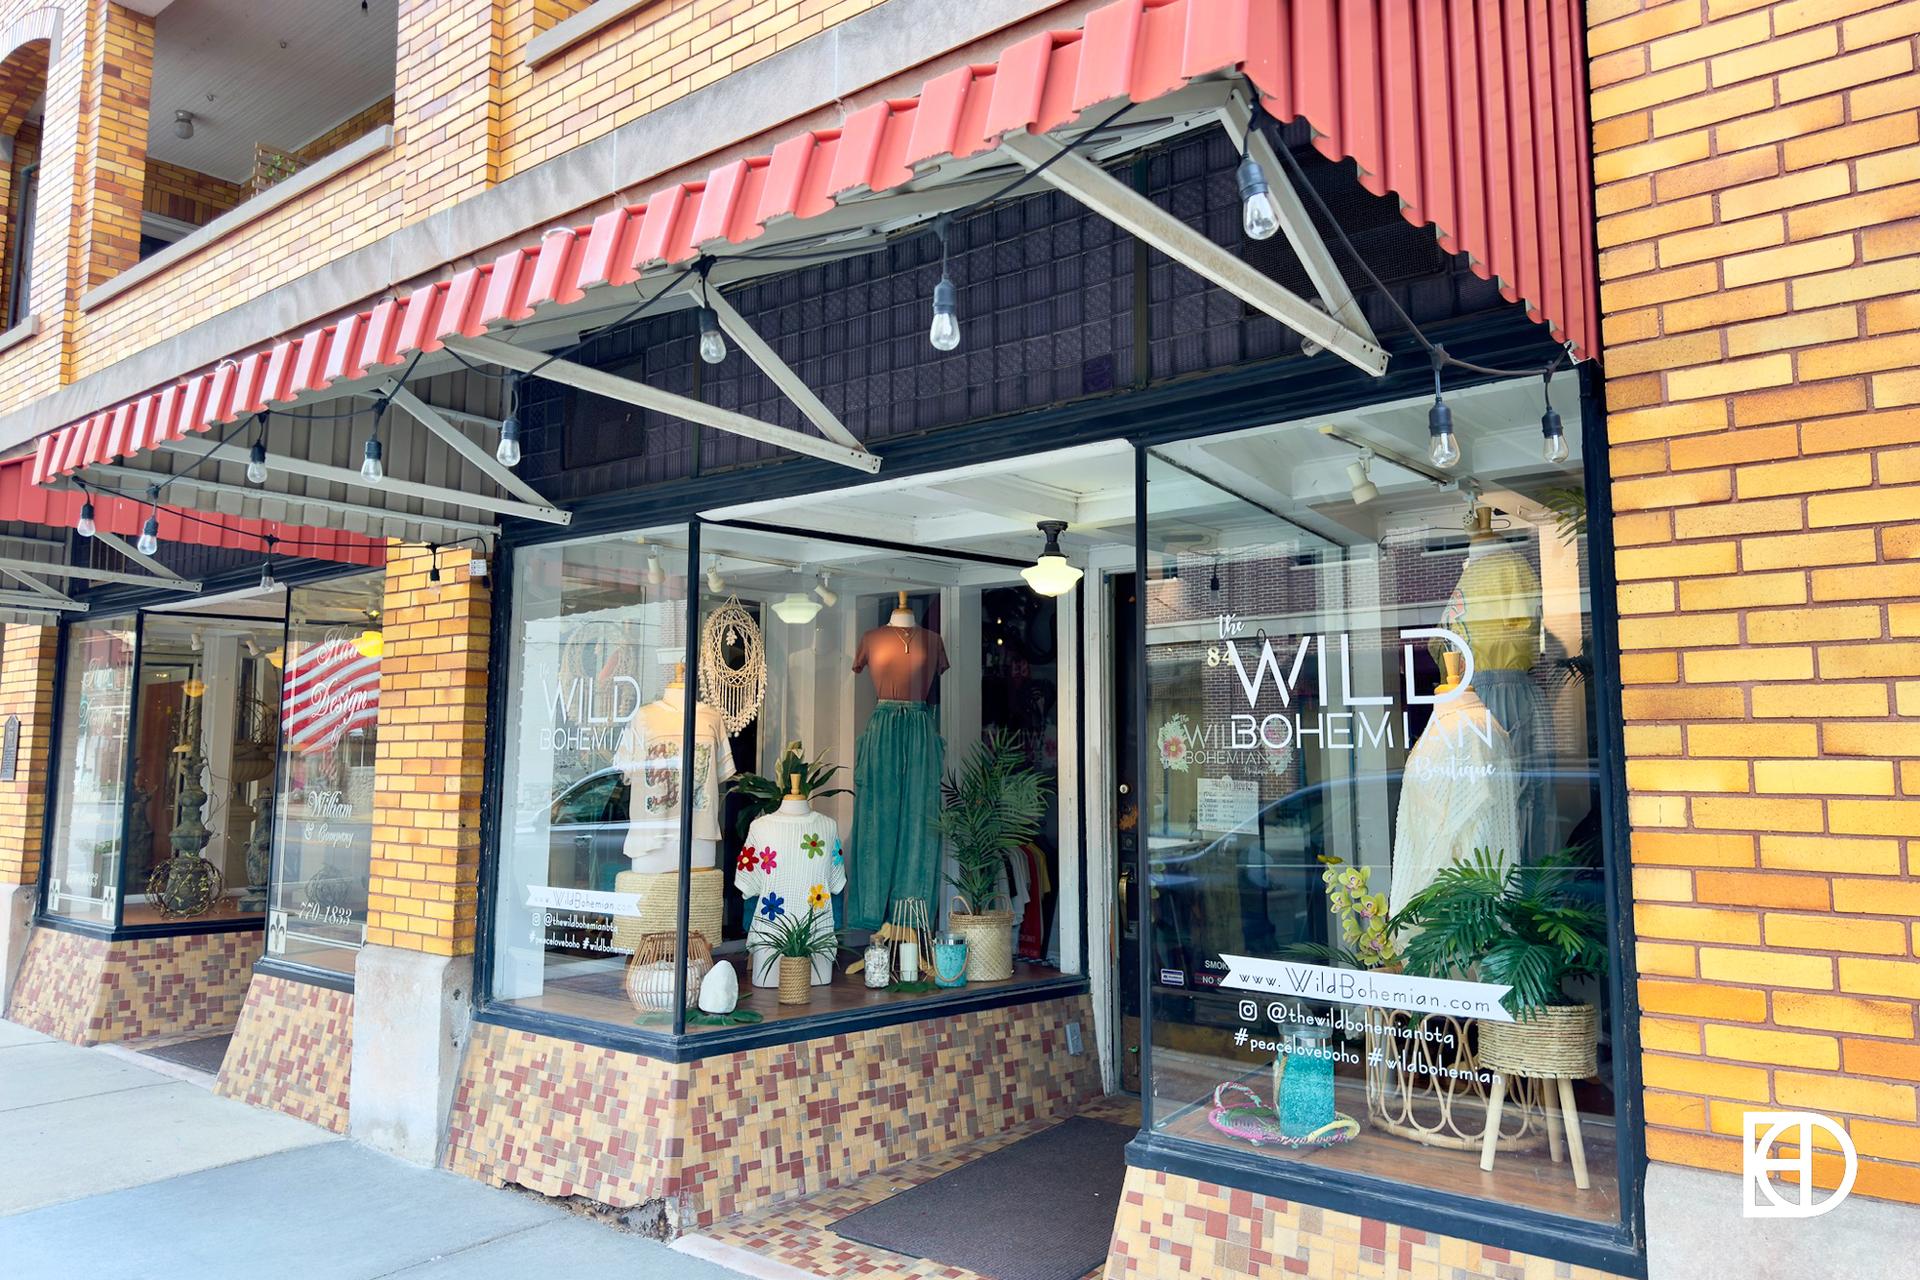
(894,851)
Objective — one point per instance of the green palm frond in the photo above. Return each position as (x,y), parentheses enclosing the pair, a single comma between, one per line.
(1531,928)
(989,809)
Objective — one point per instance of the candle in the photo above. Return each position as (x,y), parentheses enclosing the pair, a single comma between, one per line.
(910,961)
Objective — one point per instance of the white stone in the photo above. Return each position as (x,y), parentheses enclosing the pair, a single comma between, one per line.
(720,989)
(412,1014)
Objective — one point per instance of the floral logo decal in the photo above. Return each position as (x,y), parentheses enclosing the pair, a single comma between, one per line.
(749,859)
(773,906)
(812,845)
(1175,740)
(817,897)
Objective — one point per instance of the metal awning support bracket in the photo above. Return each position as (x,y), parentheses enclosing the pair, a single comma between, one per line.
(536,506)
(627,391)
(735,326)
(139,557)
(9,564)
(1308,244)
(1126,208)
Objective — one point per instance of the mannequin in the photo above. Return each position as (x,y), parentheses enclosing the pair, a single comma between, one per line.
(1497,608)
(649,754)
(792,862)
(896,771)
(1458,794)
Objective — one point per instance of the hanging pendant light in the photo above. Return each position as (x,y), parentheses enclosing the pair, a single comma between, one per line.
(1553,434)
(1443,450)
(796,608)
(1051,575)
(944,333)
(85,525)
(149,541)
(1257,216)
(507,453)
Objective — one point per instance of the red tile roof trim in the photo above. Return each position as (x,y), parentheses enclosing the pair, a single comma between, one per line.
(1473,115)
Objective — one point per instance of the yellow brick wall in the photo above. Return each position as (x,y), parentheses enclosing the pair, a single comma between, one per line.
(174,191)
(27,656)
(113,129)
(428,765)
(1758,172)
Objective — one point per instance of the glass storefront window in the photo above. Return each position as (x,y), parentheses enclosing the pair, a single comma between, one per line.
(587,808)
(797,650)
(1372,805)
(206,726)
(323,804)
(83,862)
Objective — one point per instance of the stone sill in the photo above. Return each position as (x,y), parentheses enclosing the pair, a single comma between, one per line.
(240,216)
(24,331)
(563,35)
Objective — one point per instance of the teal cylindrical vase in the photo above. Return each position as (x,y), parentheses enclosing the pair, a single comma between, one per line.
(1306,1086)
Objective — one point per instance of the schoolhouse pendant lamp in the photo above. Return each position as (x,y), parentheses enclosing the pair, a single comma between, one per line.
(945,331)
(1443,450)
(1553,434)
(1051,575)
(796,608)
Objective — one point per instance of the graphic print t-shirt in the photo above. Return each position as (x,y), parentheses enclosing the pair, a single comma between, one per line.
(649,755)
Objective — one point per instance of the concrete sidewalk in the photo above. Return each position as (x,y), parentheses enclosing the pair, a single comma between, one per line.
(113,1169)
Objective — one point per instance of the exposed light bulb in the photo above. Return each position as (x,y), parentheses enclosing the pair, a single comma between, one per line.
(257,463)
(713,343)
(1553,436)
(945,332)
(267,582)
(1442,449)
(508,450)
(1257,216)
(85,526)
(372,470)
(149,542)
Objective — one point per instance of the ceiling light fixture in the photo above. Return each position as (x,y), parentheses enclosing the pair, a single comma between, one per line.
(1051,575)
(828,597)
(796,608)
(183,123)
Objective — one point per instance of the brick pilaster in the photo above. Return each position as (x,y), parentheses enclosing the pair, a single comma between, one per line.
(27,657)
(118,89)
(1759,227)
(427,769)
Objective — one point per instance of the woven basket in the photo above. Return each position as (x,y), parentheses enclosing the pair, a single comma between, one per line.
(796,980)
(989,936)
(660,905)
(1559,1040)
(650,972)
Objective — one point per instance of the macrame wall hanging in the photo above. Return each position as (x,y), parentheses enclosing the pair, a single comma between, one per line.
(733,665)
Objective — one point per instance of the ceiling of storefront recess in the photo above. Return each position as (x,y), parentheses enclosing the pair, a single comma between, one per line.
(279,72)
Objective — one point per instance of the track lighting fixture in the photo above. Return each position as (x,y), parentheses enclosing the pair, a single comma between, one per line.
(1360,479)
(827,595)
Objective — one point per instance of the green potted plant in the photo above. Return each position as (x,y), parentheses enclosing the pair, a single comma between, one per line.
(793,772)
(1532,928)
(988,810)
(794,942)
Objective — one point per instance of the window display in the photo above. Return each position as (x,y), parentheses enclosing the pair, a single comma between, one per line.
(199,821)
(1372,821)
(323,805)
(96,717)
(810,792)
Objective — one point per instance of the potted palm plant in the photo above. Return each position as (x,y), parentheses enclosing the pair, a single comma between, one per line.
(793,942)
(762,795)
(988,810)
(1532,928)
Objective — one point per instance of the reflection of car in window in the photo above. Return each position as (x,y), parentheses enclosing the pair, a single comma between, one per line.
(587,832)
(1256,890)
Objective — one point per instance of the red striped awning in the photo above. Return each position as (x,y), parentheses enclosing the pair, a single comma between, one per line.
(22,500)
(1472,114)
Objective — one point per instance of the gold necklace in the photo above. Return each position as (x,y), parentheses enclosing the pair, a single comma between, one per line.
(906,639)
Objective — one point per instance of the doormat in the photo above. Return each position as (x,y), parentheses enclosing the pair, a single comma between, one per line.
(1041,1209)
(202,1055)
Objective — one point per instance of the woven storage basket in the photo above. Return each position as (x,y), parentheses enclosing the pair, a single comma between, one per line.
(1559,1040)
(650,971)
(660,905)
(796,980)
(989,936)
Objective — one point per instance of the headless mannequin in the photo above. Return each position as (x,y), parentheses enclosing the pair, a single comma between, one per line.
(671,708)
(903,616)
(808,870)
(902,658)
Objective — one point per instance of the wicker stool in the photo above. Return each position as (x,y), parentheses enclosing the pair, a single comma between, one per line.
(1556,1043)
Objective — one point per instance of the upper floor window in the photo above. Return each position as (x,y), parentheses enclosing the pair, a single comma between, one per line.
(23,92)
